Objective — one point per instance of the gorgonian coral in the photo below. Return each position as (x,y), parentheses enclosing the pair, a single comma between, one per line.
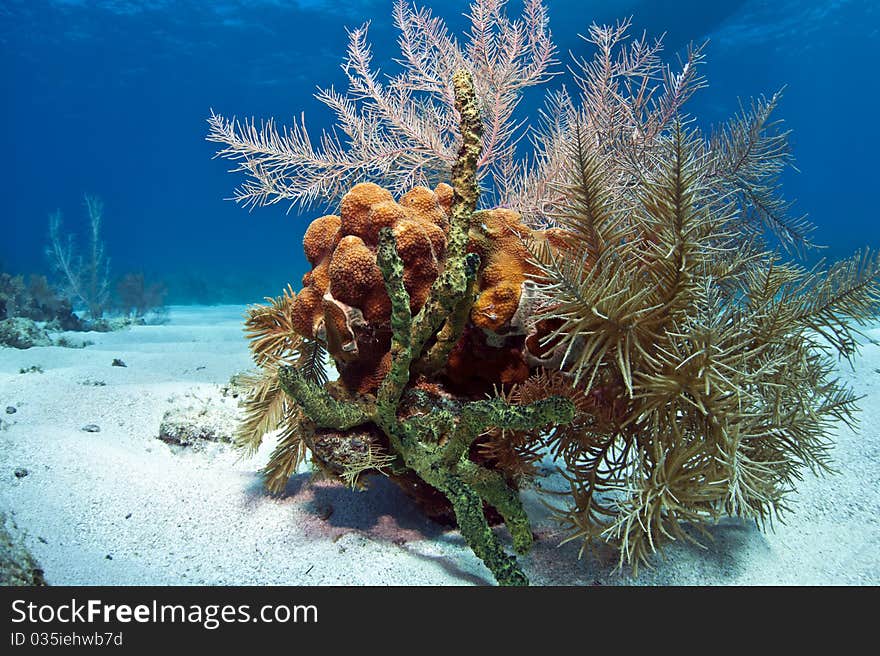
(622,313)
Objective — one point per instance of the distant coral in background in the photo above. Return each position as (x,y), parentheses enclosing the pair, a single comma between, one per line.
(85,279)
(135,297)
(623,313)
(22,333)
(37,301)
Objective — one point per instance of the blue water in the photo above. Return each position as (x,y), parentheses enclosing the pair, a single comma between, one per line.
(110,97)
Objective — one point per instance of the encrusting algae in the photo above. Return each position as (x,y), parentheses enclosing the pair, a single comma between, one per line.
(622,314)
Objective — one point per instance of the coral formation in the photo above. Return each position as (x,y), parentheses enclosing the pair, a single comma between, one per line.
(136,297)
(22,333)
(38,301)
(35,300)
(344,301)
(622,312)
(396,283)
(85,279)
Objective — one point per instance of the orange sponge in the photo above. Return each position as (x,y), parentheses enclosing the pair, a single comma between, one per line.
(344,302)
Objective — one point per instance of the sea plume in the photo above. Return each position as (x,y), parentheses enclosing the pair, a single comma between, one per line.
(274,343)
(401,131)
(707,353)
(84,279)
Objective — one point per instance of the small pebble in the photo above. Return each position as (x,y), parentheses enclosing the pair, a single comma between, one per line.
(11,409)
(325,511)
(21,472)
(118,363)
(91,428)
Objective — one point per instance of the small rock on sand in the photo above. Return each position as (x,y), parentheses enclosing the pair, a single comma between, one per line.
(197,419)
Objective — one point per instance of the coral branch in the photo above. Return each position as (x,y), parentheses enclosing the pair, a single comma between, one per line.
(317,403)
(466,190)
(451,285)
(433,361)
(476,417)
(398,130)
(493,489)
(475,529)
(401,323)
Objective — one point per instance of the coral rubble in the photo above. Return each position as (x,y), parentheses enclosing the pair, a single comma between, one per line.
(198,419)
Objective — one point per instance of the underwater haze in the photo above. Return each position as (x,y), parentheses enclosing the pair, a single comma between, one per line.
(111,97)
(306,292)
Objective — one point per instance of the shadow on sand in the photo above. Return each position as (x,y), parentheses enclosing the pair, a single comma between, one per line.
(725,553)
(383,513)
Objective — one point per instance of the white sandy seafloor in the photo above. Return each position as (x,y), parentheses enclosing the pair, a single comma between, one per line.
(120,507)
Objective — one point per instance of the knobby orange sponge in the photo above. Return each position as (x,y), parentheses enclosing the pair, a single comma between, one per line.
(344,303)
(499,237)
